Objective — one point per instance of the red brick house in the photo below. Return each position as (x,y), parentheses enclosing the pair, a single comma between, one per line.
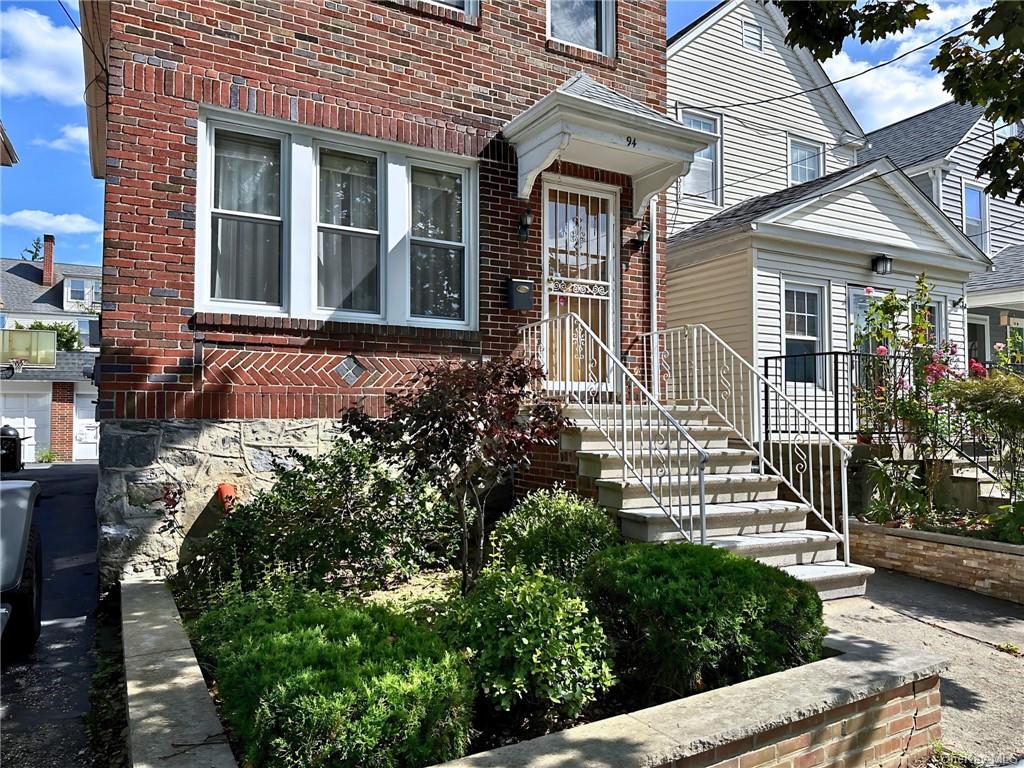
(305,200)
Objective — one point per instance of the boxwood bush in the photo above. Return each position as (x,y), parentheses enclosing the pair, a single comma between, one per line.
(537,651)
(306,679)
(686,618)
(345,519)
(554,531)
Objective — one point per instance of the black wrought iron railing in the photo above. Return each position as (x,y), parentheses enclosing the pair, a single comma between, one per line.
(851,394)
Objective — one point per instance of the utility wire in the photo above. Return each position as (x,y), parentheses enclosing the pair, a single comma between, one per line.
(103,64)
(832,83)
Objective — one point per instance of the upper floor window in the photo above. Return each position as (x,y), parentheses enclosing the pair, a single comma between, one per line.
(702,181)
(753,36)
(1004,130)
(805,161)
(468,7)
(584,23)
(309,223)
(83,290)
(83,330)
(976,215)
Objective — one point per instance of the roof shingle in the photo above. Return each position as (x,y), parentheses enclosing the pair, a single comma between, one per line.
(927,136)
(1008,273)
(22,289)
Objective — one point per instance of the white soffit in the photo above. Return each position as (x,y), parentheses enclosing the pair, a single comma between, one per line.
(587,123)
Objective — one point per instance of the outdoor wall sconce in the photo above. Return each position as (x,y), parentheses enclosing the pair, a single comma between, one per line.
(643,236)
(881,264)
(525,222)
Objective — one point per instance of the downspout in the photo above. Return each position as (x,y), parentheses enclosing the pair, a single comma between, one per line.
(655,342)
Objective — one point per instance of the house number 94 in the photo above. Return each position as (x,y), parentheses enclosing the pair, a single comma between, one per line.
(631,141)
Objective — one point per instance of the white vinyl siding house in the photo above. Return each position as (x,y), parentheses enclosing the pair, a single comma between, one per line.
(714,65)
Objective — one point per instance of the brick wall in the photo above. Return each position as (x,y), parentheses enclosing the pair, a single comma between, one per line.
(988,568)
(406,72)
(893,729)
(62,420)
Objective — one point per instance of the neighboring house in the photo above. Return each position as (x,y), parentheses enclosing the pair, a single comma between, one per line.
(940,150)
(8,156)
(336,193)
(778,260)
(52,400)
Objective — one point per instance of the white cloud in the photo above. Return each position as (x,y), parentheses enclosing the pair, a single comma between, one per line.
(906,87)
(72,138)
(40,58)
(52,223)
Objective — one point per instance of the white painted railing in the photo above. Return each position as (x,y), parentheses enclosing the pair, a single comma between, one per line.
(691,364)
(654,448)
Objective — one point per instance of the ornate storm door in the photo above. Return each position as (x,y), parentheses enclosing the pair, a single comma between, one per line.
(580,242)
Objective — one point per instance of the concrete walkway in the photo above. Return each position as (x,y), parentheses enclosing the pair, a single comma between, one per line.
(45,695)
(983,690)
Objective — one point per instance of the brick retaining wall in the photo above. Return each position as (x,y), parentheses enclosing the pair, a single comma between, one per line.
(989,568)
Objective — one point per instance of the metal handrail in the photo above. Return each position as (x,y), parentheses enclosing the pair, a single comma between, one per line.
(692,363)
(655,449)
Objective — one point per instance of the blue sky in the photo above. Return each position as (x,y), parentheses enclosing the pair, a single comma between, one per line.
(52,189)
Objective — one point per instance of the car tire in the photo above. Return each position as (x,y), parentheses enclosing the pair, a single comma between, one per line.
(26,601)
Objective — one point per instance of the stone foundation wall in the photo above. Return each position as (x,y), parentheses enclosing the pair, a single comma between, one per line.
(987,567)
(158,480)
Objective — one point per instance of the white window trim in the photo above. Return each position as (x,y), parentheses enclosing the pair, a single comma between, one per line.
(92,288)
(472,7)
(984,321)
(820,154)
(300,212)
(824,341)
(608,29)
(940,319)
(985,221)
(719,190)
(743,35)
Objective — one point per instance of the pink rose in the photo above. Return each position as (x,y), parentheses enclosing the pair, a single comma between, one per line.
(881,349)
(999,347)
(869,291)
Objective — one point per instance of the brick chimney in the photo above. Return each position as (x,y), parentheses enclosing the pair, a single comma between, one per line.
(47,259)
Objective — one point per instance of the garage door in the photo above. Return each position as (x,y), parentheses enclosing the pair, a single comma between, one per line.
(29,413)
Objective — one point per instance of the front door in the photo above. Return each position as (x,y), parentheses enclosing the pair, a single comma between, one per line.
(581,235)
(87,429)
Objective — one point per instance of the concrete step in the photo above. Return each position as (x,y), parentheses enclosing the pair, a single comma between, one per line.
(718,489)
(832,578)
(590,438)
(607,464)
(782,548)
(651,524)
(685,414)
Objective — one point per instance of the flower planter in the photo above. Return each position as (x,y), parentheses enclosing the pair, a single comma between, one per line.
(988,567)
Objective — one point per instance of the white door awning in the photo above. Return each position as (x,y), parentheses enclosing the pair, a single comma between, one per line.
(588,123)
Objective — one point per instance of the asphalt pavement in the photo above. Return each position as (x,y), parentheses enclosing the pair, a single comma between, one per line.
(43,697)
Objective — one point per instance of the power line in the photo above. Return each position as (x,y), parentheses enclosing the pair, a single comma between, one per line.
(103,64)
(675,218)
(832,83)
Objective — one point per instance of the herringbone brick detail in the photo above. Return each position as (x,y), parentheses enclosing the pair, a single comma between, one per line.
(242,369)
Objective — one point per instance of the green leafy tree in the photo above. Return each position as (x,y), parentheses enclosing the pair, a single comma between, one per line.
(34,252)
(981,64)
(68,338)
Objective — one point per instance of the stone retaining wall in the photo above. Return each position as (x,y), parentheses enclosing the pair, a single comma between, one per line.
(871,705)
(987,567)
(158,479)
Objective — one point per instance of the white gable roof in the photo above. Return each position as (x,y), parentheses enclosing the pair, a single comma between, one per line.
(813,69)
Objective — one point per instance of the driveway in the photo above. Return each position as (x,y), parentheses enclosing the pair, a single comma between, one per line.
(45,696)
(983,689)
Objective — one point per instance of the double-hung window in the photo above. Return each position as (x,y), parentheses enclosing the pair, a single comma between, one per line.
(246,219)
(805,161)
(803,327)
(586,24)
(83,290)
(437,268)
(976,215)
(702,181)
(1003,130)
(937,322)
(308,223)
(348,232)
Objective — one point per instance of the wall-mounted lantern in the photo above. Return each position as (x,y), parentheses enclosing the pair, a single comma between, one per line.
(881,264)
(525,222)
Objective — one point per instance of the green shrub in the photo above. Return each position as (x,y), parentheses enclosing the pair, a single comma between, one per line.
(537,650)
(306,679)
(685,618)
(553,531)
(344,518)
